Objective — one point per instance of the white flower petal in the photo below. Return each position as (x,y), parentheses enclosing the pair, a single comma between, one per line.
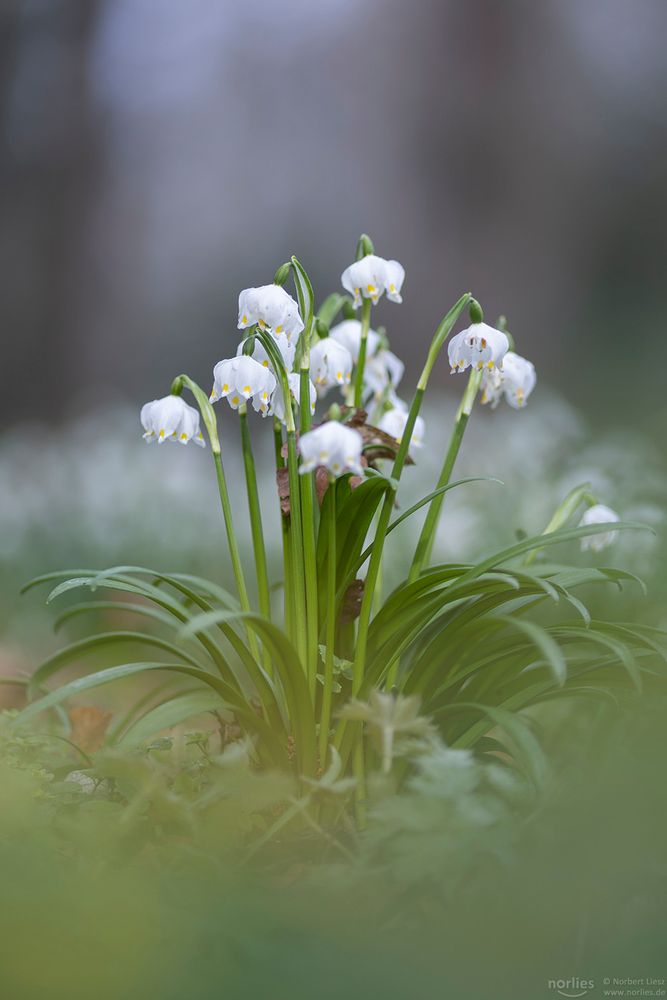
(480,346)
(170,419)
(393,423)
(334,446)
(348,333)
(371,276)
(330,364)
(270,307)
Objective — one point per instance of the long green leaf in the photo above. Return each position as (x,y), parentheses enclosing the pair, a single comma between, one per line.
(77,649)
(170,713)
(289,671)
(228,697)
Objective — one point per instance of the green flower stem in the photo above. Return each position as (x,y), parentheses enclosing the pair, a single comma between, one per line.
(285,529)
(308,512)
(562,514)
(444,329)
(211,424)
(359,772)
(441,334)
(296,553)
(255,513)
(325,719)
(296,579)
(233,547)
(427,536)
(361,361)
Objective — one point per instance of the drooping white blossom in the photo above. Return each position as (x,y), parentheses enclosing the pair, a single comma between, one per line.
(394,278)
(277,399)
(393,423)
(598,514)
(171,419)
(383,371)
(480,346)
(515,381)
(286,347)
(334,446)
(270,307)
(371,276)
(348,333)
(240,379)
(330,364)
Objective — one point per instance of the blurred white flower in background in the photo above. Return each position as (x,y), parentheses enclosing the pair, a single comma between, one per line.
(294,382)
(334,446)
(393,423)
(599,514)
(330,364)
(383,371)
(348,333)
(515,381)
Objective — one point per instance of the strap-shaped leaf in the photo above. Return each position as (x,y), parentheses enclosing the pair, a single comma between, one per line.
(527,748)
(170,713)
(228,698)
(288,669)
(304,292)
(75,650)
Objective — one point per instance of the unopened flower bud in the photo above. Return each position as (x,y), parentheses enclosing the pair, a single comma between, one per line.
(364,246)
(322,328)
(475,311)
(282,274)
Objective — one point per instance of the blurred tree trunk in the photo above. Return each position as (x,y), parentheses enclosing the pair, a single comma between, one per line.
(49,168)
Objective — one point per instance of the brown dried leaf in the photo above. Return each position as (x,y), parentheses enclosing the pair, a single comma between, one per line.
(282,481)
(89,726)
(351,605)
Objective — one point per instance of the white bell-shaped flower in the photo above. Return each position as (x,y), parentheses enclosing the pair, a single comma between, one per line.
(330,364)
(515,381)
(286,347)
(278,401)
(394,278)
(240,379)
(480,346)
(270,307)
(371,276)
(171,419)
(393,423)
(348,333)
(334,446)
(383,371)
(598,514)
